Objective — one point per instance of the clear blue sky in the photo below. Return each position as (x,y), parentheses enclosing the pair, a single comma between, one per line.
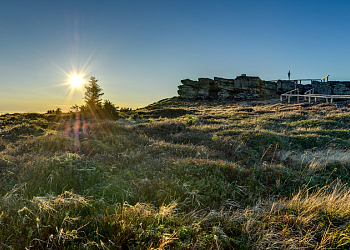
(140,50)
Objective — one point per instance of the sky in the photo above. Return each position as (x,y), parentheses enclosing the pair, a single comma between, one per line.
(140,50)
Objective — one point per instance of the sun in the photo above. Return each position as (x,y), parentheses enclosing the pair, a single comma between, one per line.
(76,81)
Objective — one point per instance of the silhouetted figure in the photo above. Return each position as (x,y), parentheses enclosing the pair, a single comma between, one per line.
(289,75)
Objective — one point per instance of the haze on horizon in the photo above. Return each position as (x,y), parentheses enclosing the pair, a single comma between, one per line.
(140,50)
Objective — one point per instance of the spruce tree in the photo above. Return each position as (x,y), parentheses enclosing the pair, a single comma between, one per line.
(93,93)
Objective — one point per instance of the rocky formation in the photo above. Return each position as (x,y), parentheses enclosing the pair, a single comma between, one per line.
(241,88)
(252,87)
(331,87)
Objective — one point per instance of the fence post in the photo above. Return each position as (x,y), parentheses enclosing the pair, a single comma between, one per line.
(298,95)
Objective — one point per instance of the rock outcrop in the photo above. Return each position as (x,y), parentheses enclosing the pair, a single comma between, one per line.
(252,87)
(241,88)
(331,87)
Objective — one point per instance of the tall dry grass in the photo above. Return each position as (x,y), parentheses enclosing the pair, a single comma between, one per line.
(209,176)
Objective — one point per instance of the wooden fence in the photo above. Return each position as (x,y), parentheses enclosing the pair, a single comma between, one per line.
(310,95)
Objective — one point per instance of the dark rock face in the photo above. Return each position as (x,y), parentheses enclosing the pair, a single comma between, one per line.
(331,87)
(241,88)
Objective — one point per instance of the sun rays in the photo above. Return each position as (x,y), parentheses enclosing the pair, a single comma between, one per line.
(74,76)
(75,82)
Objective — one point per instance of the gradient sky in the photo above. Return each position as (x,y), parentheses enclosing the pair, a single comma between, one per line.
(140,50)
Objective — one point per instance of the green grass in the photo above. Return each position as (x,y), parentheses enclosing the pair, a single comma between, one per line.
(178,175)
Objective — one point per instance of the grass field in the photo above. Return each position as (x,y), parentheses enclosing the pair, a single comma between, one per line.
(178,175)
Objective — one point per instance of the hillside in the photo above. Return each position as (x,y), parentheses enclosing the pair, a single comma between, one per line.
(178,175)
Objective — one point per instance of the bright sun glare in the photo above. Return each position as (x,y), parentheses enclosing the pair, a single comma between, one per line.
(76,81)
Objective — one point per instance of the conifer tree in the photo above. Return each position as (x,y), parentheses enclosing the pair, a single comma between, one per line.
(93,93)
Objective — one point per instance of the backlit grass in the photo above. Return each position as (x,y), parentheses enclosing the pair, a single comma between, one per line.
(179,175)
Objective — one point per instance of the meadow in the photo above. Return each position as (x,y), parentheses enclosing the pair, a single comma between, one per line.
(178,175)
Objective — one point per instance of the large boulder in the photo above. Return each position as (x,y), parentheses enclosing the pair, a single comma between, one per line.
(324,88)
(227,86)
(190,83)
(188,92)
(224,94)
(284,85)
(341,88)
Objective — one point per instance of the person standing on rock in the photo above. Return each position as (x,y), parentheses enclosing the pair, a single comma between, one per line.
(289,75)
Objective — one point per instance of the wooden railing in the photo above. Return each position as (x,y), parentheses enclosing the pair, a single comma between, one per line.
(310,94)
(289,94)
(324,78)
(310,91)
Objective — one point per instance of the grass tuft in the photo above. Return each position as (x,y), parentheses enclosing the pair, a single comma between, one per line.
(177,174)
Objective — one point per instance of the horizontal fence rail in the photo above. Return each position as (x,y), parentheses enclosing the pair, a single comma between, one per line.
(309,95)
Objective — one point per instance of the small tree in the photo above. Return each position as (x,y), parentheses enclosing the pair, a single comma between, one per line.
(110,109)
(58,111)
(74,109)
(93,93)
